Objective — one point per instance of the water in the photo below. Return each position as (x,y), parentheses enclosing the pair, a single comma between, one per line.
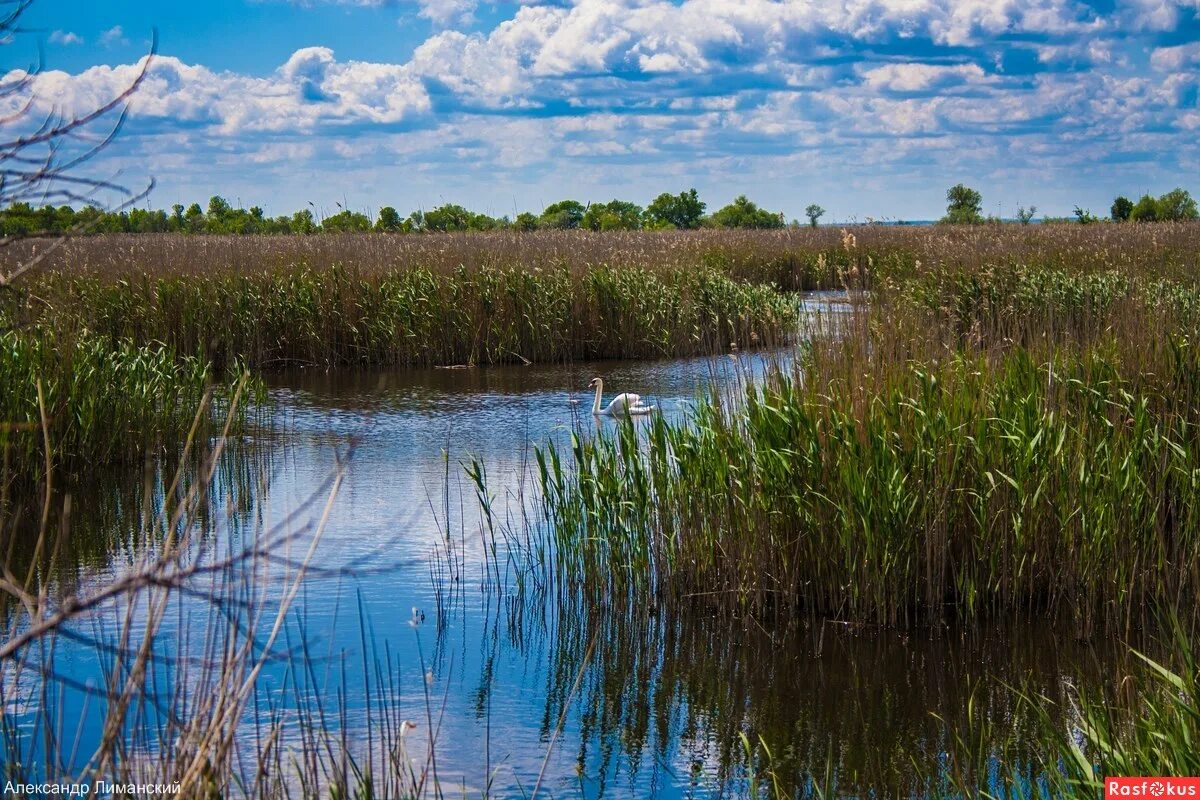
(656,700)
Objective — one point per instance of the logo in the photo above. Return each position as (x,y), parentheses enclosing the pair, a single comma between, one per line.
(1151,787)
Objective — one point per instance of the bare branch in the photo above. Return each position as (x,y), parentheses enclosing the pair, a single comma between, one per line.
(43,163)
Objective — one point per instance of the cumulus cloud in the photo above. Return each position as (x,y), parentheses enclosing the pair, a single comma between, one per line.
(309,91)
(440,12)
(113,37)
(446,12)
(65,38)
(1173,59)
(916,77)
(711,85)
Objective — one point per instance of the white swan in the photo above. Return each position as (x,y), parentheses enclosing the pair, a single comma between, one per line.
(621,405)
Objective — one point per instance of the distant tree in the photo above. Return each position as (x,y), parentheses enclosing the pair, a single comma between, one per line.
(453,217)
(743,213)
(1024,215)
(1145,210)
(1122,207)
(563,215)
(280,224)
(302,222)
(193,219)
(1176,205)
(485,222)
(814,212)
(683,210)
(218,206)
(526,222)
(615,215)
(964,205)
(1085,216)
(447,217)
(141,220)
(346,221)
(389,220)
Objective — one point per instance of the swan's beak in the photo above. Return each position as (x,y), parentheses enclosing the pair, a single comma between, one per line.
(592,383)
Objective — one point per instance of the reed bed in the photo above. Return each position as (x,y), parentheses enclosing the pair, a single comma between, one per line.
(418,317)
(1007,428)
(70,402)
(790,258)
(970,444)
(462,299)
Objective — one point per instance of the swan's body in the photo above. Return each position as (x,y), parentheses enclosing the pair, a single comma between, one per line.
(627,404)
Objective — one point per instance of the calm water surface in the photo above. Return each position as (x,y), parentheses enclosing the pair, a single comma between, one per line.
(663,697)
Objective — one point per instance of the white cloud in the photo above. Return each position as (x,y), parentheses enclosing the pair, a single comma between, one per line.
(446,12)
(1173,59)
(310,90)
(65,38)
(915,77)
(114,36)
(734,87)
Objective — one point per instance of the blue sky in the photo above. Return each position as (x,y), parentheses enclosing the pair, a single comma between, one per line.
(869,107)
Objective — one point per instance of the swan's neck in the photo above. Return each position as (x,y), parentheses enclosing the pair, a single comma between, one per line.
(599,389)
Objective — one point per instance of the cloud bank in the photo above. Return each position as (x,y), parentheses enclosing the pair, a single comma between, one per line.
(857,93)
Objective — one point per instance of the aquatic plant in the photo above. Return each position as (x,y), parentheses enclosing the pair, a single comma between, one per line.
(343,317)
(916,465)
(70,402)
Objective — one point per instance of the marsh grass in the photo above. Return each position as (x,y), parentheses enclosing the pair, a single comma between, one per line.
(513,297)
(793,258)
(343,317)
(122,329)
(951,450)
(193,704)
(94,401)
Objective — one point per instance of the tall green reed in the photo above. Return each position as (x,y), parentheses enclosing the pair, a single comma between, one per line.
(93,401)
(345,317)
(911,468)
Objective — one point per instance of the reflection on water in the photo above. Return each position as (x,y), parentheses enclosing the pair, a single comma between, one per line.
(657,700)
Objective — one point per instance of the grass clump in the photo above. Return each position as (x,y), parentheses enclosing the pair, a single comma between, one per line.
(1032,453)
(93,401)
(346,317)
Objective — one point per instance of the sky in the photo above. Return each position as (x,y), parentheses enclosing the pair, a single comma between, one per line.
(871,108)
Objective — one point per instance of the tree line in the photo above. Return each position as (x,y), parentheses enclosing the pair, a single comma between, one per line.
(965,206)
(667,211)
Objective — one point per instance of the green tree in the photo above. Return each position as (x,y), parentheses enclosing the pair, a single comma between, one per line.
(1085,216)
(218,207)
(615,215)
(526,222)
(346,221)
(1024,215)
(194,218)
(563,215)
(18,220)
(389,220)
(814,212)
(1145,210)
(302,222)
(683,210)
(964,205)
(744,213)
(447,218)
(1122,207)
(1176,205)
